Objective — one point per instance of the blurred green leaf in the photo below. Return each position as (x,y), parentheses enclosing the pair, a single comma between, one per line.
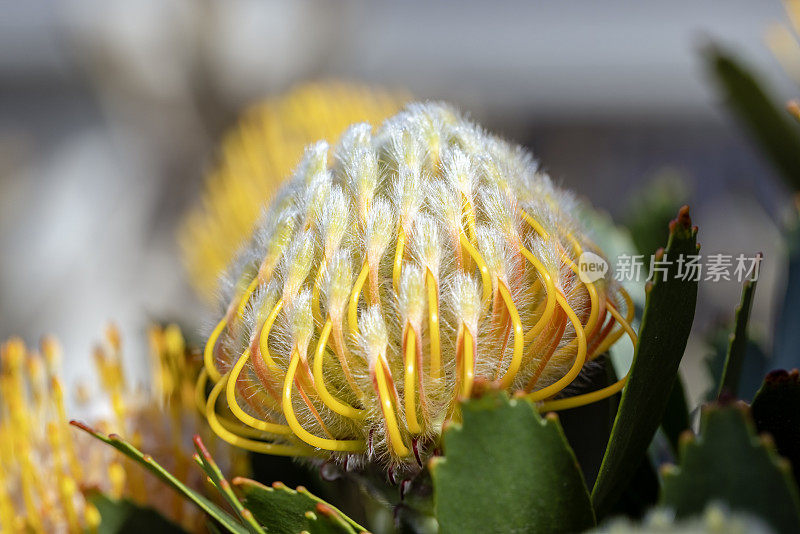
(776,409)
(737,348)
(505,469)
(785,353)
(665,328)
(286,511)
(769,124)
(214,511)
(728,463)
(125,517)
(676,418)
(651,210)
(755,366)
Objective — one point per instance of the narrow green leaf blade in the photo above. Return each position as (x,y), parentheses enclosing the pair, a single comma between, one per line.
(505,469)
(769,124)
(666,323)
(729,464)
(282,510)
(214,511)
(737,348)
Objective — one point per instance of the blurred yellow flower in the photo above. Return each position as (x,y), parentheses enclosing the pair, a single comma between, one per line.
(45,465)
(257,155)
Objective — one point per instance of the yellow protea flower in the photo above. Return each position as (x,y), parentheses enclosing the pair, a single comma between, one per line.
(255,158)
(45,465)
(785,44)
(385,280)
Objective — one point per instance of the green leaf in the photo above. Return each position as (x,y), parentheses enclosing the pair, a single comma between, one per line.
(776,409)
(737,348)
(125,517)
(676,418)
(755,366)
(505,469)
(286,511)
(214,511)
(651,210)
(715,519)
(666,323)
(787,336)
(769,124)
(728,463)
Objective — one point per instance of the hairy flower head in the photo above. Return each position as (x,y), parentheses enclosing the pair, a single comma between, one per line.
(412,262)
(258,153)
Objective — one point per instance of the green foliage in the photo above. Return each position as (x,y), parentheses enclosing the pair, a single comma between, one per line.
(776,410)
(666,324)
(787,334)
(714,520)
(737,348)
(505,469)
(651,210)
(125,517)
(729,464)
(286,511)
(268,510)
(771,127)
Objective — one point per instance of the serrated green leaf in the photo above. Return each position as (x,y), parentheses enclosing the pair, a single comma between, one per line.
(776,410)
(737,347)
(728,463)
(505,469)
(769,124)
(125,517)
(666,323)
(214,511)
(282,510)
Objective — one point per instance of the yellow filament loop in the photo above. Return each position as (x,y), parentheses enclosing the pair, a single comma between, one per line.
(550,288)
(410,377)
(433,324)
(352,308)
(208,352)
(241,415)
(590,288)
(244,443)
(319,380)
(588,398)
(580,357)
(486,278)
(519,337)
(398,256)
(339,445)
(614,336)
(392,428)
(263,340)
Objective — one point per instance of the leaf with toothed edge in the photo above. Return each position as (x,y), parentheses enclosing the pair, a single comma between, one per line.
(728,463)
(505,469)
(214,511)
(665,327)
(207,464)
(286,511)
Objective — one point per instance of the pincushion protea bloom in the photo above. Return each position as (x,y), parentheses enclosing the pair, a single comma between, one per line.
(390,273)
(257,155)
(45,466)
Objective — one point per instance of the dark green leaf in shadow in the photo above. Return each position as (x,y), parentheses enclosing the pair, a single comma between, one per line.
(665,328)
(776,410)
(505,469)
(785,353)
(729,464)
(125,517)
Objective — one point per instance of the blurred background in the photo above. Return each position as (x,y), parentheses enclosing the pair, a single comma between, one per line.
(111,112)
